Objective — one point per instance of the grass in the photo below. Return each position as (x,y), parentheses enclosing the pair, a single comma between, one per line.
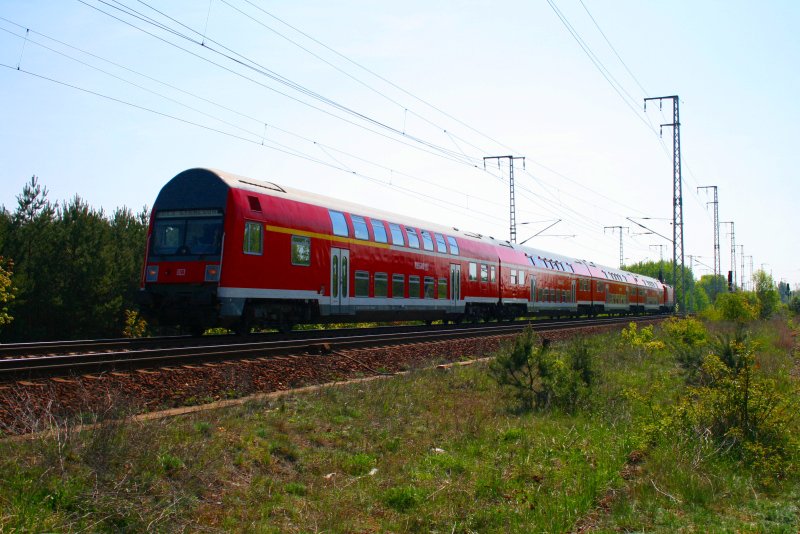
(432,451)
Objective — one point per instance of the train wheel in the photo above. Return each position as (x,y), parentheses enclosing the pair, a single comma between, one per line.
(196,331)
(284,327)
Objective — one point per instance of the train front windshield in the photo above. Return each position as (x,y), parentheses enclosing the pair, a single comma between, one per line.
(187,233)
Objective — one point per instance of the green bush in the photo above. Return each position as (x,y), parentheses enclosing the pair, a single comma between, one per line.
(687,339)
(767,295)
(541,378)
(743,412)
(740,307)
(643,341)
(794,304)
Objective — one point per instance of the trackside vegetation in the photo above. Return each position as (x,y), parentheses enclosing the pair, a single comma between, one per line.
(72,271)
(691,425)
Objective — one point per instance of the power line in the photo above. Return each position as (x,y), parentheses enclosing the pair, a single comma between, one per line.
(352,77)
(626,98)
(322,146)
(435,200)
(612,47)
(255,67)
(382,78)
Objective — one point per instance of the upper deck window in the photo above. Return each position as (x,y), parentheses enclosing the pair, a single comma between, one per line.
(339,223)
(379,230)
(453,245)
(427,240)
(397,235)
(360,227)
(440,245)
(413,238)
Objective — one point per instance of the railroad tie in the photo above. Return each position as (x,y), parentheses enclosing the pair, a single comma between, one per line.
(29,384)
(64,380)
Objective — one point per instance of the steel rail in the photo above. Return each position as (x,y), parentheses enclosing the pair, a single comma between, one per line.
(98,362)
(53,348)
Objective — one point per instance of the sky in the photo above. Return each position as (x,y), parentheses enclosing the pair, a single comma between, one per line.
(395,104)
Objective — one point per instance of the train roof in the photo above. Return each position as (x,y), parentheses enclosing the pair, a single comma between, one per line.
(183,190)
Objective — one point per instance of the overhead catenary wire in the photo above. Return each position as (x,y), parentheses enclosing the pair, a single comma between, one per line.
(259,142)
(432,148)
(259,121)
(144,3)
(545,184)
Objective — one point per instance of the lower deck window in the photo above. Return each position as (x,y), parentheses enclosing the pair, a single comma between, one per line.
(381,288)
(413,287)
(428,287)
(398,286)
(442,288)
(362,284)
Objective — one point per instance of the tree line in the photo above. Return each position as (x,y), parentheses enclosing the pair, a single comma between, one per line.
(69,271)
(72,270)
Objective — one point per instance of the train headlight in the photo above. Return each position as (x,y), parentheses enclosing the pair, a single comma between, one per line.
(152,273)
(212,273)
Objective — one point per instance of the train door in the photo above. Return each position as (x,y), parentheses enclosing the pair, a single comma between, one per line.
(340,276)
(533,290)
(455,285)
(572,294)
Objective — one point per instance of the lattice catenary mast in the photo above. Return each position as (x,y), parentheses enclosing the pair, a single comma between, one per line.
(677,196)
(717,258)
(512,206)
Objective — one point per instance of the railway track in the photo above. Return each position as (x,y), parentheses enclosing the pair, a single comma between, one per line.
(124,355)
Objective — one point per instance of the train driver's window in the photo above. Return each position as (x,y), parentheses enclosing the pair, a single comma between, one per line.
(253,238)
(339,223)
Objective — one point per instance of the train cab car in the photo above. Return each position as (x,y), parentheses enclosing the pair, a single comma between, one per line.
(184,250)
(225,250)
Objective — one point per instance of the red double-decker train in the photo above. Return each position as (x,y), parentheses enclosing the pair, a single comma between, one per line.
(225,250)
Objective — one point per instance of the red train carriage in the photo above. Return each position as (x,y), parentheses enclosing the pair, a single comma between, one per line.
(230,251)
